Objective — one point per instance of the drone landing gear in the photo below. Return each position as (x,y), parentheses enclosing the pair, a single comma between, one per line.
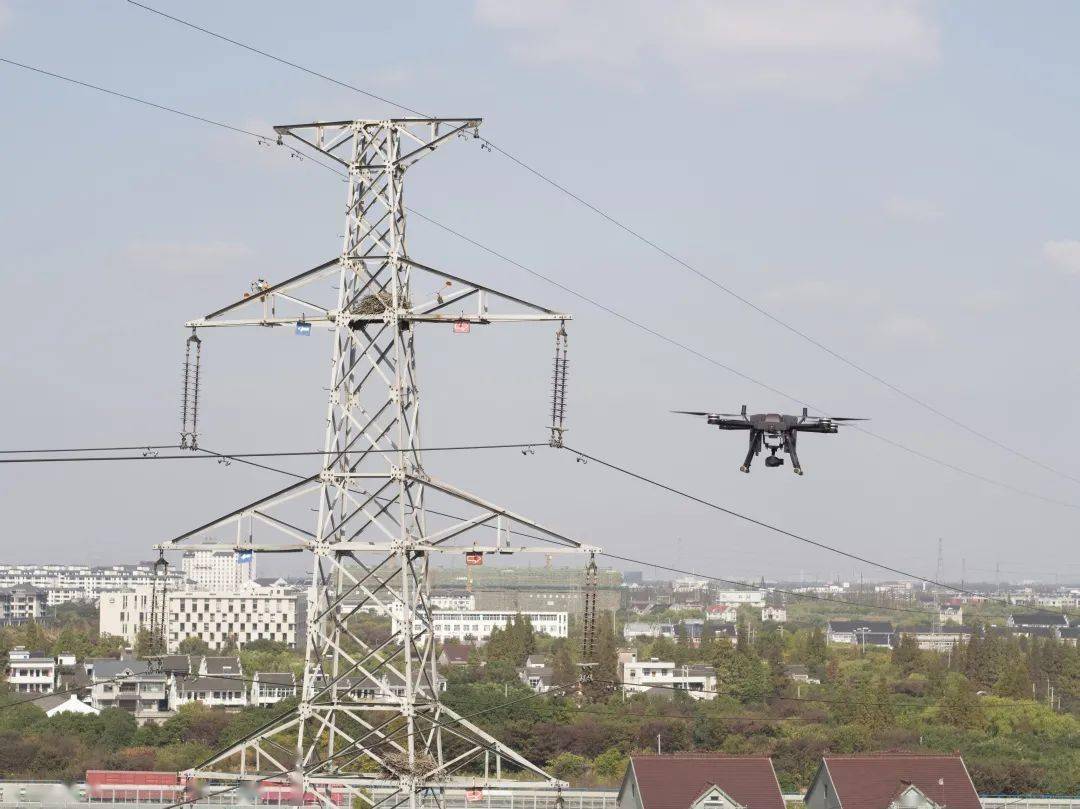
(789,448)
(756,437)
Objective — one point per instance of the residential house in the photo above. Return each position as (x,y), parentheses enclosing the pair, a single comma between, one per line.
(728,613)
(30,672)
(1070,634)
(54,704)
(635,629)
(228,691)
(775,614)
(939,639)
(951,612)
(537,673)
(892,781)
(129,686)
(800,674)
(700,781)
(269,687)
(664,677)
(1037,619)
(860,633)
(455,654)
(220,667)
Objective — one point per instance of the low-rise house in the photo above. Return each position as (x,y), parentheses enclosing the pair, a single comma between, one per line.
(215,692)
(1070,635)
(30,672)
(455,654)
(655,676)
(892,781)
(269,687)
(177,665)
(55,704)
(636,629)
(700,781)
(800,674)
(775,614)
(860,633)
(537,673)
(129,686)
(728,613)
(939,639)
(1037,619)
(220,667)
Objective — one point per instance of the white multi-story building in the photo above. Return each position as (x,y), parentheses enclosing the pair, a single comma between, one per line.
(453,600)
(30,672)
(218,618)
(697,680)
(66,583)
(22,602)
(739,597)
(478,624)
(775,614)
(218,569)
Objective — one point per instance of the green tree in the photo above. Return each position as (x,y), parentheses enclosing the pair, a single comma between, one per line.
(193,645)
(568,766)
(874,710)
(907,655)
(960,705)
(1015,681)
(610,765)
(117,728)
(564,672)
(144,643)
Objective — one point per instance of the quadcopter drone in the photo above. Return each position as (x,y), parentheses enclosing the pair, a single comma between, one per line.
(763,426)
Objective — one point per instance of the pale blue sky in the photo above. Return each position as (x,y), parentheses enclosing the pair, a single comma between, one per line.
(896,179)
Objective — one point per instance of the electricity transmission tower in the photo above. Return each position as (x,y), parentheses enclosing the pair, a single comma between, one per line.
(370,720)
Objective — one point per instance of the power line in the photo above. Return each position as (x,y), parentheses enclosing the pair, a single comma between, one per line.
(87,449)
(644,240)
(239,455)
(774,528)
(792,593)
(267,139)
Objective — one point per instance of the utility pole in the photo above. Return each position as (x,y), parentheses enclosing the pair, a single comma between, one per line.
(375,535)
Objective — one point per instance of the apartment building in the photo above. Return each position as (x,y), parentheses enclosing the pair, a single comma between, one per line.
(62,584)
(22,602)
(218,618)
(218,569)
(269,687)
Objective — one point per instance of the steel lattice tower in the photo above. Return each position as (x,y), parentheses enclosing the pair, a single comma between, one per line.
(370,717)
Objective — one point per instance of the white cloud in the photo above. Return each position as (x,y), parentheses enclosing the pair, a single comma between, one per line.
(822,49)
(822,293)
(1064,255)
(907,329)
(187,259)
(910,209)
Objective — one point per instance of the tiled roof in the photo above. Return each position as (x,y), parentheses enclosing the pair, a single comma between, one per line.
(201,684)
(275,677)
(1039,619)
(222,665)
(674,782)
(871,782)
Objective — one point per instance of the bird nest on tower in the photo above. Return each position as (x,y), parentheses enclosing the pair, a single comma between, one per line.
(397,764)
(377,303)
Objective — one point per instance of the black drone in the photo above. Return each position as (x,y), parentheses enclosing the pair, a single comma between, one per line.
(771,425)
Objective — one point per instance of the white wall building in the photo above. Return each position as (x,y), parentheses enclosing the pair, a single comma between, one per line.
(218,569)
(697,680)
(30,672)
(775,614)
(22,602)
(479,624)
(66,583)
(217,618)
(739,597)
(453,600)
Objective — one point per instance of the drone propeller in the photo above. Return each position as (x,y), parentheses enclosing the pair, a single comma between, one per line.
(843,418)
(693,412)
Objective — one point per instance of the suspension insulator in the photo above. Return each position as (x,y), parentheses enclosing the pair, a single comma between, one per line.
(189,403)
(558,388)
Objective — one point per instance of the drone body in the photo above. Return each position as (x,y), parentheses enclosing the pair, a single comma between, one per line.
(762,426)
